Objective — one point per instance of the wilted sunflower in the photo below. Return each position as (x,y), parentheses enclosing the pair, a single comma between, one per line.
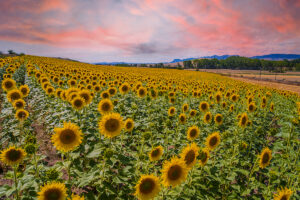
(147,187)
(283,194)
(204,106)
(192,133)
(189,155)
(203,156)
(53,191)
(182,118)
(25,90)
(86,95)
(171,111)
(213,140)
(174,172)
(8,84)
(13,95)
(111,125)
(124,88)
(19,104)
(193,113)
(156,153)
(77,103)
(219,119)
(12,155)
(185,107)
(265,157)
(142,92)
(67,138)
(129,125)
(251,107)
(21,114)
(105,95)
(105,106)
(207,117)
(243,120)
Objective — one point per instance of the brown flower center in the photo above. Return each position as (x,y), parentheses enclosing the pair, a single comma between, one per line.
(147,186)
(67,136)
(174,172)
(112,125)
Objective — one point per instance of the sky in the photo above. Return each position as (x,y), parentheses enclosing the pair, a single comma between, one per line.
(149,30)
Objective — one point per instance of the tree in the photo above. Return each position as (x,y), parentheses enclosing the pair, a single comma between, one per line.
(11,52)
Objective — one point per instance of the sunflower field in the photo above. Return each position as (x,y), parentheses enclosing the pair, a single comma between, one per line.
(74,131)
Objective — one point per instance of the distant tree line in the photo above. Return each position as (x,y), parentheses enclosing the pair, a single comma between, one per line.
(11,53)
(242,63)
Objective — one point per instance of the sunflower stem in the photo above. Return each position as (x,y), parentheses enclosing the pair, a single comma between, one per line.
(36,165)
(252,170)
(16,182)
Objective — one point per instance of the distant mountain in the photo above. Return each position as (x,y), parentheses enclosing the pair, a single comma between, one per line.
(278,56)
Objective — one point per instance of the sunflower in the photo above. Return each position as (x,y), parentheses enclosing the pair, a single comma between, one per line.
(272,107)
(86,95)
(142,92)
(265,157)
(8,84)
(203,156)
(25,90)
(21,114)
(213,140)
(207,117)
(192,133)
(124,88)
(156,153)
(185,107)
(234,98)
(13,95)
(219,119)
(231,108)
(172,100)
(76,197)
(67,138)
(19,104)
(204,106)
(218,97)
(129,125)
(189,155)
(174,172)
(243,120)
(111,125)
(53,191)
(251,107)
(182,118)
(112,91)
(105,106)
(193,113)
(50,90)
(283,194)
(78,103)
(147,187)
(105,95)
(171,111)
(12,155)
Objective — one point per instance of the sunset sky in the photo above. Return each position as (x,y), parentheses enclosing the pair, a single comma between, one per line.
(149,30)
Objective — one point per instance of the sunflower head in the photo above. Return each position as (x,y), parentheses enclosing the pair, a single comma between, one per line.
(67,138)
(192,133)
(12,155)
(213,140)
(193,113)
(156,153)
(76,197)
(86,95)
(182,118)
(112,91)
(147,187)
(111,125)
(219,119)
(283,194)
(265,157)
(124,88)
(189,155)
(53,191)
(105,106)
(218,97)
(174,172)
(172,100)
(25,90)
(19,104)
(78,103)
(8,84)
(142,92)
(272,107)
(21,114)
(185,107)
(171,111)
(207,117)
(129,125)
(105,95)
(13,95)
(243,120)
(203,156)
(204,106)
(251,107)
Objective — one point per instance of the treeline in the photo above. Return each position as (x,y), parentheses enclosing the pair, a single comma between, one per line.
(242,63)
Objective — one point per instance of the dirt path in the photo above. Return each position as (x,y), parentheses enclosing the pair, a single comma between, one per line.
(292,88)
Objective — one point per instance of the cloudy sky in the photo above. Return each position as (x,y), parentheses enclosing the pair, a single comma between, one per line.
(149,30)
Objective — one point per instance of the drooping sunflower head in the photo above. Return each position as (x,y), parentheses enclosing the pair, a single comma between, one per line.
(283,194)
(124,88)
(251,107)
(25,90)
(67,138)
(204,106)
(8,84)
(203,156)
(53,191)
(105,95)
(219,119)
(105,106)
(147,187)
(129,125)
(207,117)
(265,157)
(156,153)
(172,111)
(243,120)
(193,113)
(19,104)
(12,155)
(142,92)
(189,155)
(182,118)
(86,95)
(192,133)
(13,95)
(78,103)
(111,125)
(185,107)
(21,114)
(174,172)
(213,140)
